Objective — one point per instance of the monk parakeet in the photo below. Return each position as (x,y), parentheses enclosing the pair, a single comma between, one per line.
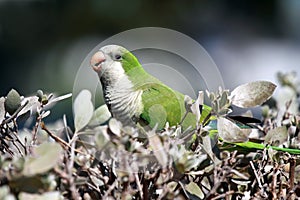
(133,95)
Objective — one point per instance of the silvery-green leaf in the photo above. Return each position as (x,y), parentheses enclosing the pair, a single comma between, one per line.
(100,116)
(31,106)
(277,135)
(83,109)
(193,161)
(2,109)
(44,158)
(230,132)
(60,98)
(101,137)
(285,95)
(172,185)
(45,196)
(224,99)
(252,94)
(195,106)
(12,101)
(194,189)
(188,101)
(115,126)
(4,191)
(207,146)
(45,114)
(206,183)
(157,148)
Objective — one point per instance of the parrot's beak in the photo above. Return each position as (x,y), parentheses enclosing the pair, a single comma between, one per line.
(96,61)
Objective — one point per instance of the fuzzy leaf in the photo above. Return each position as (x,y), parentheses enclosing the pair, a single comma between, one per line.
(101,137)
(100,116)
(45,196)
(158,149)
(230,132)
(2,109)
(194,189)
(277,135)
(195,106)
(44,158)
(115,126)
(31,106)
(4,191)
(12,101)
(83,109)
(252,94)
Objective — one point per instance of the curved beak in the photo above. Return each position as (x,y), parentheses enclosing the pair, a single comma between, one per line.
(96,61)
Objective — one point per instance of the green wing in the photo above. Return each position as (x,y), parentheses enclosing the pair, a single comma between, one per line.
(161,105)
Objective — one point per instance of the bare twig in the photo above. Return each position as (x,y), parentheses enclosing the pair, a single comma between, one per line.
(20,142)
(274,182)
(69,169)
(110,189)
(292,173)
(256,175)
(139,186)
(35,129)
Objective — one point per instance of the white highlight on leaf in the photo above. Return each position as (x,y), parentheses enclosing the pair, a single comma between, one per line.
(83,109)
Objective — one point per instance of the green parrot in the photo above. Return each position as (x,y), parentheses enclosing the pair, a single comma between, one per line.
(134,96)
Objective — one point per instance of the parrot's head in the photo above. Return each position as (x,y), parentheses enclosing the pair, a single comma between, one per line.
(112,62)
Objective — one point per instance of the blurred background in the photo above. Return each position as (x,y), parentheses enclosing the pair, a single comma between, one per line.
(43,42)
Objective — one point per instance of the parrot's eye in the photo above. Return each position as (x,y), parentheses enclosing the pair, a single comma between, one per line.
(118,57)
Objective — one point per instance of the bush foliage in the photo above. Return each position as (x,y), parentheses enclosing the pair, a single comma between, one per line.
(225,156)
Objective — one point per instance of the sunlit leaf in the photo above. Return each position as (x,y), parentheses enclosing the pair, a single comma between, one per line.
(188,102)
(83,109)
(195,106)
(115,126)
(101,137)
(224,99)
(230,132)
(277,135)
(157,148)
(62,97)
(4,191)
(194,189)
(252,94)
(172,185)
(205,182)
(2,109)
(100,116)
(45,196)
(208,146)
(44,158)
